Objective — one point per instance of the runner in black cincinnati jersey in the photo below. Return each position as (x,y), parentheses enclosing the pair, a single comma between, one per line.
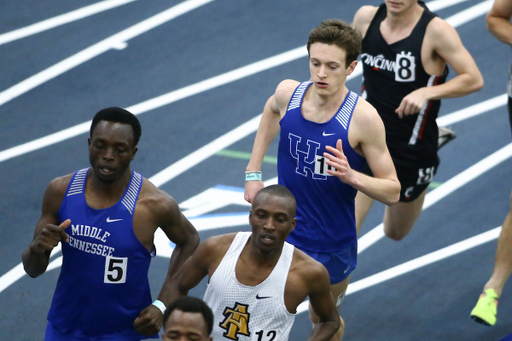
(406,51)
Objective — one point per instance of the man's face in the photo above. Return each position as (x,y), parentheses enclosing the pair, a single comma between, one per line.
(111,150)
(184,326)
(272,219)
(327,68)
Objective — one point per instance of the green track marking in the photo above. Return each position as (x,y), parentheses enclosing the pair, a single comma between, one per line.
(271,159)
(244,156)
(434,184)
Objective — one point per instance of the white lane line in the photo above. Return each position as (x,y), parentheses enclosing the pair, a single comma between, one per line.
(61,20)
(162,100)
(17,272)
(424,260)
(112,42)
(437,5)
(470,13)
(445,189)
(172,97)
(473,110)
(417,263)
(11,276)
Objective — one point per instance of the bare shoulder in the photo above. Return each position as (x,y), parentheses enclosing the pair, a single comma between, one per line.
(365,115)
(149,193)
(157,203)
(54,194)
(440,32)
(58,186)
(284,91)
(214,248)
(363,18)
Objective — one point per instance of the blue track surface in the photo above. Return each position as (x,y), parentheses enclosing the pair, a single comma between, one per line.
(429,303)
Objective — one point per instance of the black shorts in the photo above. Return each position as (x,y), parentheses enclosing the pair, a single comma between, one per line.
(413,180)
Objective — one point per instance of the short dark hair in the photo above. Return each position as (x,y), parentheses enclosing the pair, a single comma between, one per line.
(119,115)
(190,304)
(339,33)
(280,191)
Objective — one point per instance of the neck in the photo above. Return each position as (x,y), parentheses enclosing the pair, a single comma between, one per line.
(264,258)
(110,191)
(404,19)
(330,102)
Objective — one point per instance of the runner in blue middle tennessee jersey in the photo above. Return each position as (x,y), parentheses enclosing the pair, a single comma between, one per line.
(326,133)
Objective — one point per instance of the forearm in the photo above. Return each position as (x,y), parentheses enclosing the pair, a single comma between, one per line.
(500,28)
(324,331)
(386,191)
(267,132)
(459,86)
(179,256)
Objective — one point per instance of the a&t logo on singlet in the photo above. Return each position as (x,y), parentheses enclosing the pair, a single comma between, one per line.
(308,160)
(236,321)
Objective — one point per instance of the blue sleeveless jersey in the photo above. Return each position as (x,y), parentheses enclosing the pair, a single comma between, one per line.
(325,205)
(103,283)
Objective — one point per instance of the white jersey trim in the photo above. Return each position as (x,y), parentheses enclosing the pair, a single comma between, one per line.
(421,115)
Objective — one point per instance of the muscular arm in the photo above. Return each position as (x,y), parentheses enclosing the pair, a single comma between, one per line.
(202,263)
(184,235)
(166,214)
(445,44)
(367,134)
(47,234)
(323,305)
(267,131)
(498,21)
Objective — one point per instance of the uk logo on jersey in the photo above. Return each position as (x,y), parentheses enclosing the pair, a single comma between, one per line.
(308,160)
(236,321)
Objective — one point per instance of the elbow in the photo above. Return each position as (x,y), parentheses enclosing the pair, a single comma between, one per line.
(393,200)
(194,240)
(478,84)
(394,196)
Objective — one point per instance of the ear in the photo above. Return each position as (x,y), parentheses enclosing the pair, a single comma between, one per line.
(294,223)
(351,67)
(134,152)
(89,141)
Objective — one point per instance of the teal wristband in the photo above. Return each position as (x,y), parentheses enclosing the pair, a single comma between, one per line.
(160,305)
(253,176)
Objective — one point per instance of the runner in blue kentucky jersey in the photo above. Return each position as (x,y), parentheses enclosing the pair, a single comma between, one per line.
(326,132)
(105,218)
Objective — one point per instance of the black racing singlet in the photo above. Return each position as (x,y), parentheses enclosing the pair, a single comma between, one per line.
(390,73)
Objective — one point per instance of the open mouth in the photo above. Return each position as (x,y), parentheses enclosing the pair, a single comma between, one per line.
(105,170)
(267,238)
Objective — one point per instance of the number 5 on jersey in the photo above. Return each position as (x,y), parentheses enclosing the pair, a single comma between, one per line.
(115,270)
